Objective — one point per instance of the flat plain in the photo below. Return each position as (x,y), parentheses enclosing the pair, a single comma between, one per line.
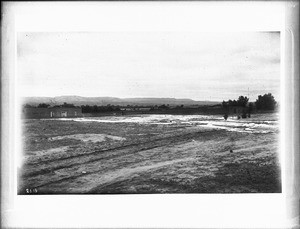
(150,154)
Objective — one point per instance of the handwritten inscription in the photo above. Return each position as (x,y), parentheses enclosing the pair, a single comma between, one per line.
(31,190)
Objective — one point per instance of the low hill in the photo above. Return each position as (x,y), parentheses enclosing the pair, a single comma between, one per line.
(103,101)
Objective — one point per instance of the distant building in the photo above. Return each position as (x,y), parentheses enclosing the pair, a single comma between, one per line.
(126,109)
(143,108)
(135,108)
(51,112)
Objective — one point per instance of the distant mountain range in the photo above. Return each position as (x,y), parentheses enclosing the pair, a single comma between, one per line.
(103,101)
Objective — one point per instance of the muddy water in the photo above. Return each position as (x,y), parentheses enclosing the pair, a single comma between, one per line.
(256,124)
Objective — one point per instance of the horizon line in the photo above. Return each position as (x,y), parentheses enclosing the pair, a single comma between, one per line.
(118,97)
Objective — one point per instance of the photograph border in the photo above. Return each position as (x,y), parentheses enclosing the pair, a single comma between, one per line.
(282,209)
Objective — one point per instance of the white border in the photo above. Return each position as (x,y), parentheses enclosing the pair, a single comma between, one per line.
(172,211)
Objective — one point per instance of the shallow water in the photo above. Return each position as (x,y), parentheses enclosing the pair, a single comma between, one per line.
(258,123)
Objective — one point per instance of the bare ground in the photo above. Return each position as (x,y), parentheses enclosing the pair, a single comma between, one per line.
(68,157)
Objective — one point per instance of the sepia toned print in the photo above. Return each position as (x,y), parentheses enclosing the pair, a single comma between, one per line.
(146,113)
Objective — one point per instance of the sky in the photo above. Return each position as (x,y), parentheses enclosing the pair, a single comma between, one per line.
(199,66)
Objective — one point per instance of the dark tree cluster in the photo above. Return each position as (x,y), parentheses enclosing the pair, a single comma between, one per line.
(242,101)
(43,105)
(265,102)
(164,107)
(67,105)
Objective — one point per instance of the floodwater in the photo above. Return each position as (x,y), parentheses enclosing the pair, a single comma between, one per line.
(256,124)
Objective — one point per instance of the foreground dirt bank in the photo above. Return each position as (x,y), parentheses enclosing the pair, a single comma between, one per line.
(63,157)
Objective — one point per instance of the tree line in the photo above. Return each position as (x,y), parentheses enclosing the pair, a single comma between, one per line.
(103,108)
(263,102)
(45,105)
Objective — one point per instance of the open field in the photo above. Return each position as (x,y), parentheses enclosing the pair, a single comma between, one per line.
(151,154)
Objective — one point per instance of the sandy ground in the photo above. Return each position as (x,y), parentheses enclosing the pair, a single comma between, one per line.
(167,154)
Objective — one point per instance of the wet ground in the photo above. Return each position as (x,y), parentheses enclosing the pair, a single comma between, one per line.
(151,154)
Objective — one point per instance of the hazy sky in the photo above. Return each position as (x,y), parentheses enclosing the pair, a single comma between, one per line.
(200,66)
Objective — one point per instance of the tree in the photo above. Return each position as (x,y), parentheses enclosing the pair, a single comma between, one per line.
(224,104)
(265,102)
(242,101)
(43,105)
(232,103)
(250,109)
(67,105)
(163,107)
